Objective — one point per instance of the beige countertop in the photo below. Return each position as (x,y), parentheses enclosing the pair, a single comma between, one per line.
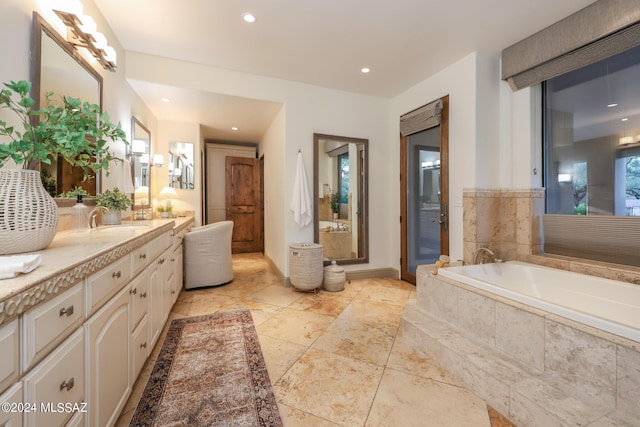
(73,256)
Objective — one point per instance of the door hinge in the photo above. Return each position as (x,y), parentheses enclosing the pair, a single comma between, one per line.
(400,219)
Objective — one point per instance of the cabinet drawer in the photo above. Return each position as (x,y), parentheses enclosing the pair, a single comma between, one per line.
(59,378)
(48,324)
(139,297)
(139,260)
(178,237)
(11,418)
(158,245)
(140,347)
(106,283)
(9,353)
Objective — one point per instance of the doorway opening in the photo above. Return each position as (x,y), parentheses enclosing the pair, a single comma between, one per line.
(424,182)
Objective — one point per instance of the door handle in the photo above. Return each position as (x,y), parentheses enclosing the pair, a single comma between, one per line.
(443,221)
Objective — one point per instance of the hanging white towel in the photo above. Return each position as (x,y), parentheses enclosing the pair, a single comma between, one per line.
(127,181)
(10,266)
(301,199)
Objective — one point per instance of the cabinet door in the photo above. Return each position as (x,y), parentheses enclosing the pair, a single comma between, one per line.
(58,379)
(140,346)
(9,351)
(109,376)
(11,418)
(155,307)
(139,293)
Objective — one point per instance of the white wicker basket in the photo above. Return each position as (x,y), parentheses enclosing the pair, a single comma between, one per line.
(28,214)
(305,266)
(334,277)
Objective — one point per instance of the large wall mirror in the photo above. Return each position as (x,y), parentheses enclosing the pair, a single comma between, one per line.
(57,67)
(140,151)
(180,163)
(340,183)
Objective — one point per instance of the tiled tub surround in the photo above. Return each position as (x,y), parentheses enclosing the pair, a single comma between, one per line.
(536,367)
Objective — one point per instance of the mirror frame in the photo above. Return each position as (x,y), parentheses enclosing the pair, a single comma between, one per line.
(365,196)
(137,123)
(39,28)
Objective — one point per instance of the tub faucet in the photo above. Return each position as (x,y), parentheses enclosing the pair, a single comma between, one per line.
(93,213)
(491,254)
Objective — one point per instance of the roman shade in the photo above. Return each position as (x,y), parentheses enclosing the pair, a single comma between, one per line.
(600,30)
(420,119)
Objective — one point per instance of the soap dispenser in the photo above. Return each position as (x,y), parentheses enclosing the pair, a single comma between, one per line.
(80,215)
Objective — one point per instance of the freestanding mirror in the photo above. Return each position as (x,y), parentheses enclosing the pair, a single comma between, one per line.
(57,67)
(340,184)
(140,151)
(181,165)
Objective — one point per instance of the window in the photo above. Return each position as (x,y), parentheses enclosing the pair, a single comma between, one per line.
(592,138)
(343,178)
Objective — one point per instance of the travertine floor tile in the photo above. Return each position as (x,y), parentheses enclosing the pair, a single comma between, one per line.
(358,341)
(327,303)
(408,400)
(276,295)
(279,355)
(332,387)
(296,326)
(260,312)
(292,417)
(373,313)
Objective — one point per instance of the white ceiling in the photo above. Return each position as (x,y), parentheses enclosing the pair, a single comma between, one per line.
(323,43)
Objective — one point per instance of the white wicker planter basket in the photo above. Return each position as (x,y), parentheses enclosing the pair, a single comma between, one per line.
(28,214)
(305,265)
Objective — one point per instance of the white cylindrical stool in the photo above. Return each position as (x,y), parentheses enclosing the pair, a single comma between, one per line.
(305,266)
(334,277)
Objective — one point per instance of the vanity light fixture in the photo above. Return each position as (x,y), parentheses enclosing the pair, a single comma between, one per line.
(138,147)
(157,160)
(564,177)
(82,32)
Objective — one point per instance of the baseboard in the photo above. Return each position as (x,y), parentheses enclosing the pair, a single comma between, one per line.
(372,273)
(277,272)
(361,274)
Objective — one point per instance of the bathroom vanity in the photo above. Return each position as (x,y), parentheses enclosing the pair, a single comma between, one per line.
(75,332)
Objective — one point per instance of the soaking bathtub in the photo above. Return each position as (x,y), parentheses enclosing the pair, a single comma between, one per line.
(604,304)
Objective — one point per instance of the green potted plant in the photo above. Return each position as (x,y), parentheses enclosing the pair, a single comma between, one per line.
(115,201)
(335,204)
(68,198)
(78,131)
(165,211)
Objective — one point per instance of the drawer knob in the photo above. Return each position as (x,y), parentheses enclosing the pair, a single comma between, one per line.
(133,291)
(116,275)
(143,345)
(67,384)
(68,311)
(143,256)
(143,295)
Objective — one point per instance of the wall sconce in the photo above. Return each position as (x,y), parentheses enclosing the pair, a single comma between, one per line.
(157,160)
(564,177)
(82,32)
(138,147)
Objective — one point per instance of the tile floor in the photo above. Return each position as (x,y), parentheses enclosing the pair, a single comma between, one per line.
(335,358)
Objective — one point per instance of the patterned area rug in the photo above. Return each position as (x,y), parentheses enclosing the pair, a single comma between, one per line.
(210,372)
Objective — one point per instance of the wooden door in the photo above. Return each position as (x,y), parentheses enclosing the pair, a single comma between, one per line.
(242,197)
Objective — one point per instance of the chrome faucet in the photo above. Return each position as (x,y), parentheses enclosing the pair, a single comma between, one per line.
(93,213)
(491,254)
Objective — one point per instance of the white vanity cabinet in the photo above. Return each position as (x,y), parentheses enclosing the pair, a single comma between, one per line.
(88,330)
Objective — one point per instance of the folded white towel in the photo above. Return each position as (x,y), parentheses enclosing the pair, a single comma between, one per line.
(11,266)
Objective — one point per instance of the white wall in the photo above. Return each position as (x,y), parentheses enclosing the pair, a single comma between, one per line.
(308,109)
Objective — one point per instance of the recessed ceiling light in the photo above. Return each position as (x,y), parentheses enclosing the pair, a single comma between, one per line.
(625,119)
(248,17)
(234,128)
(165,100)
(613,104)
(365,70)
